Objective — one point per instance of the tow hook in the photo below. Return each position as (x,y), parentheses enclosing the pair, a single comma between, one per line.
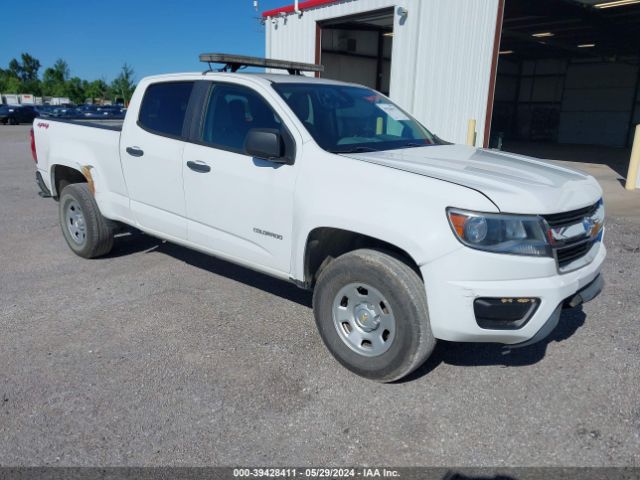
(586,294)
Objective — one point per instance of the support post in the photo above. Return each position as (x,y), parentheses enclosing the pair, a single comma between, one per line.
(471,132)
(633,181)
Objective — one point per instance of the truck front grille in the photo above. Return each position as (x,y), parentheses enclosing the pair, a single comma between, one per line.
(570,218)
(568,254)
(576,247)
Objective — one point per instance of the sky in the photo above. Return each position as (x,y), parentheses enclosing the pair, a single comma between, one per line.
(153,36)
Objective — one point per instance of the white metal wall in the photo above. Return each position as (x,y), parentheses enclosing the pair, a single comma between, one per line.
(441,58)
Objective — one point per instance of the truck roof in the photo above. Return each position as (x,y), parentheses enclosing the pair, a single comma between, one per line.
(266,77)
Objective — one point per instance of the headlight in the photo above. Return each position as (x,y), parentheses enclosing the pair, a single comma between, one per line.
(500,233)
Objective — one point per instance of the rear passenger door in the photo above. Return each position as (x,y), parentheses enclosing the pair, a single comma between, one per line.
(238,206)
(151,153)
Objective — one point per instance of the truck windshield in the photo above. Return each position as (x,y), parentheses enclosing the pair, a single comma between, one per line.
(348,119)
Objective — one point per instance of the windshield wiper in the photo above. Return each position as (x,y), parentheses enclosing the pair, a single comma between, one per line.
(355,150)
(412,145)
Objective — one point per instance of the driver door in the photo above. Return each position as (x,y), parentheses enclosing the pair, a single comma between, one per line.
(238,206)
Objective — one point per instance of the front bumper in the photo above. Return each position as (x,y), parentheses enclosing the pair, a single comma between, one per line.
(584,295)
(456,280)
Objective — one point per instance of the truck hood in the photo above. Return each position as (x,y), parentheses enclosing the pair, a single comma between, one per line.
(514,183)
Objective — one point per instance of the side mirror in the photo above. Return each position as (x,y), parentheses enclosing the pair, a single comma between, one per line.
(265,143)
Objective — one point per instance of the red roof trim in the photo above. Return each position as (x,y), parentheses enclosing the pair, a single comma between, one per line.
(302,6)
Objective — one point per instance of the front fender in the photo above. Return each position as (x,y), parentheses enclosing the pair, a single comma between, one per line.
(403,209)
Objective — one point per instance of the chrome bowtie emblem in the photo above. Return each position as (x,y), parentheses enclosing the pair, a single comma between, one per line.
(588,223)
(589,227)
(562,234)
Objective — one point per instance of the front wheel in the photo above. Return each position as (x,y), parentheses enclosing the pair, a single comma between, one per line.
(371,311)
(86,231)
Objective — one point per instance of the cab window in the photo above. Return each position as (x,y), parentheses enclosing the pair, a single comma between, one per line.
(231,112)
(164,107)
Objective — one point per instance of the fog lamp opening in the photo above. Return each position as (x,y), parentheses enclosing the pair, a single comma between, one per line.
(504,313)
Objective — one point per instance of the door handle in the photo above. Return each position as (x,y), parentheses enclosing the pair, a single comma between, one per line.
(135,151)
(198,166)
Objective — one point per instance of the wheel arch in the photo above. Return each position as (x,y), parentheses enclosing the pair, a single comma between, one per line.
(63,175)
(323,244)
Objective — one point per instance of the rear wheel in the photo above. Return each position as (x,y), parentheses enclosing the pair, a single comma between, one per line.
(86,231)
(371,311)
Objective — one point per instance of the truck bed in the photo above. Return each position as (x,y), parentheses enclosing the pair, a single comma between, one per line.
(111,124)
(87,146)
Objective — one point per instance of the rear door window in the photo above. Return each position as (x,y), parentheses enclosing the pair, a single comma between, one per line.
(164,107)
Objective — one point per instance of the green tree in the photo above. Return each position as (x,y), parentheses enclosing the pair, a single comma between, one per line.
(27,70)
(4,78)
(55,78)
(12,85)
(30,81)
(74,90)
(14,68)
(123,85)
(61,70)
(96,89)
(30,67)
(21,76)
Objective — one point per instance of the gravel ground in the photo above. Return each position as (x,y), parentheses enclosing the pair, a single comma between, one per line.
(161,356)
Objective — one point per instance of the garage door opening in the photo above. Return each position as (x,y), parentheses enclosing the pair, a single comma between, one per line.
(568,80)
(357,48)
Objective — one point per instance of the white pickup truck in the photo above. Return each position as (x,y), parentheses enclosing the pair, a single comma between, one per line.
(403,237)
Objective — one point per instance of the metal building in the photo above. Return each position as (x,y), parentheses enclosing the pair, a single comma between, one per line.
(434,57)
(558,72)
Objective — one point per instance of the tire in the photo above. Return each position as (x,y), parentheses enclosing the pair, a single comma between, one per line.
(86,231)
(386,306)
(12,121)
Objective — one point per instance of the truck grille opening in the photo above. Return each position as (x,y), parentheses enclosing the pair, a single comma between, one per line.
(568,254)
(569,218)
(578,247)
